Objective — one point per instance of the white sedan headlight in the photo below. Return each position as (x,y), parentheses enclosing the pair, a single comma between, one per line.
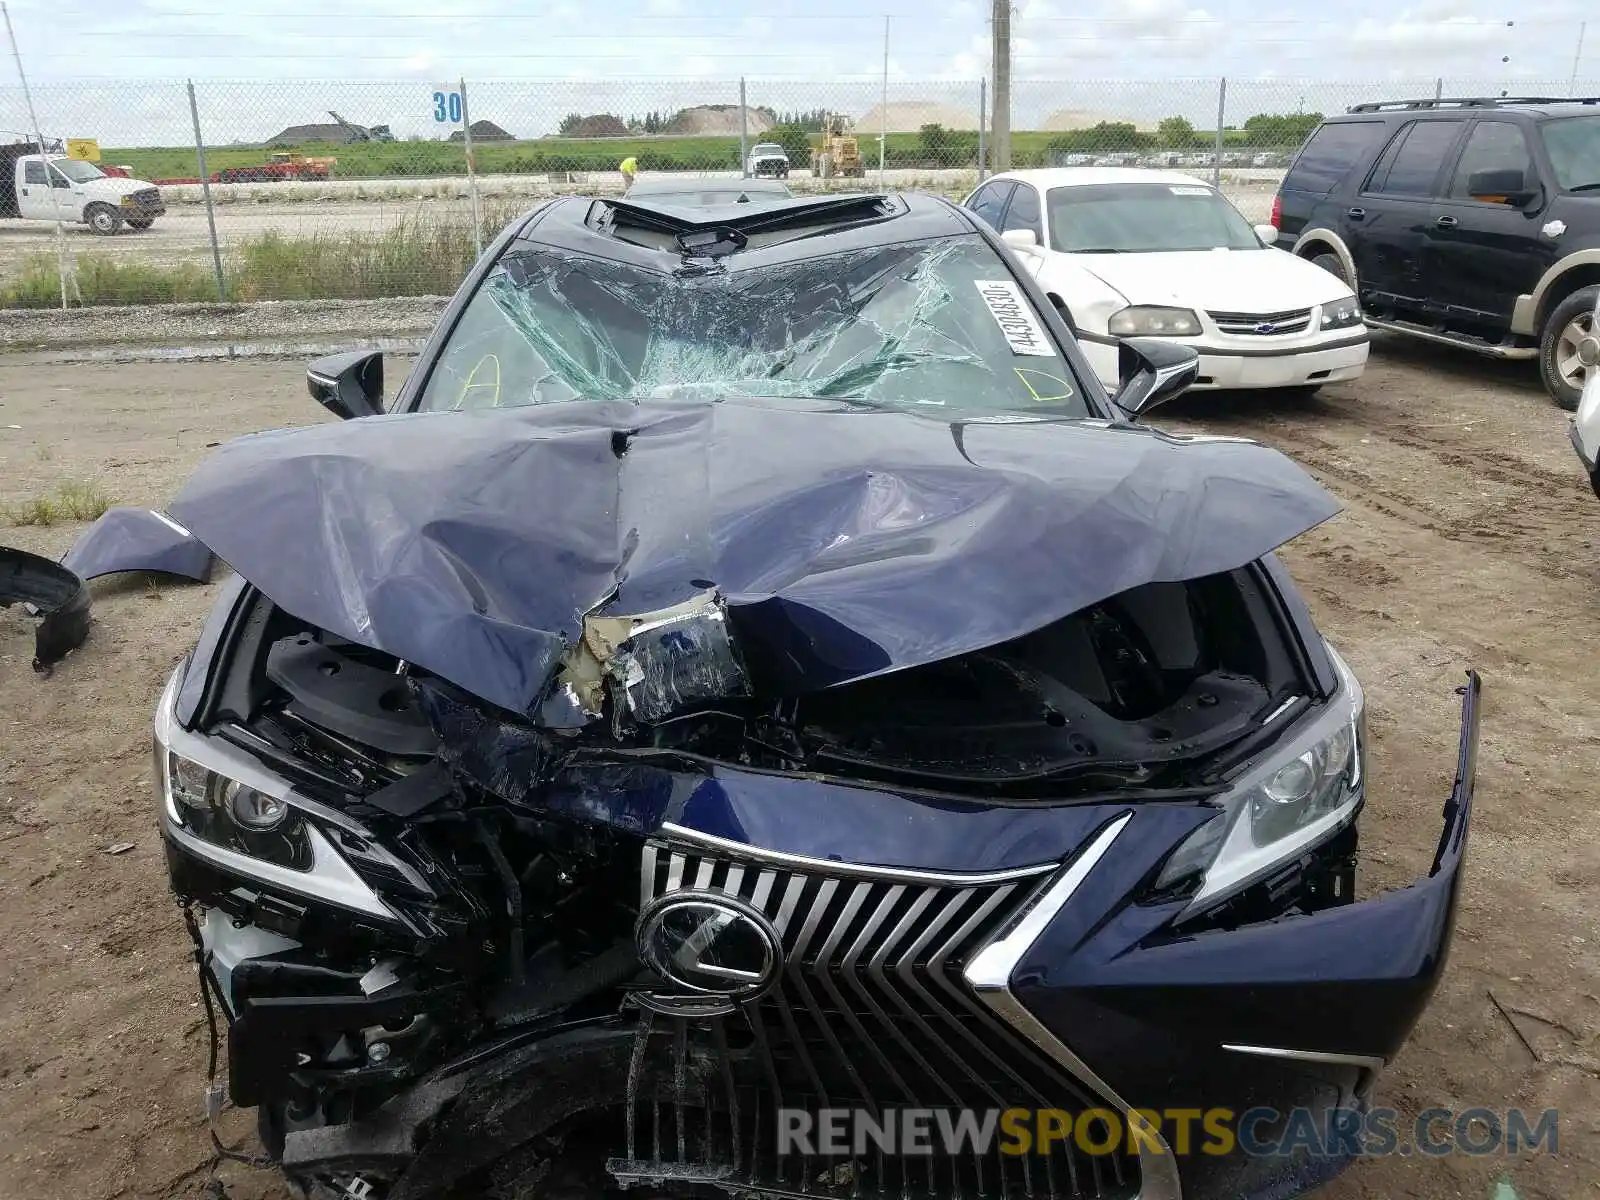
(1304,790)
(1153,320)
(1341,314)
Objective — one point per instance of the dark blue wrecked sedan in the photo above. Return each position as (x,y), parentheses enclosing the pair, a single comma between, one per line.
(751,715)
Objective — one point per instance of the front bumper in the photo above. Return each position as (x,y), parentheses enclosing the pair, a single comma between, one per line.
(1338,360)
(1585,431)
(1296,1013)
(142,204)
(1100,988)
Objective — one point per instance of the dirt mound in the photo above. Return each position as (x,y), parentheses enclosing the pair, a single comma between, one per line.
(1065,120)
(601,125)
(908,116)
(719,118)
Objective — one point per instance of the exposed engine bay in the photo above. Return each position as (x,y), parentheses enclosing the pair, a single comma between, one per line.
(508,856)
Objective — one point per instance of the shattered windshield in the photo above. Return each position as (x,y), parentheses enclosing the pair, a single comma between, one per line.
(936,325)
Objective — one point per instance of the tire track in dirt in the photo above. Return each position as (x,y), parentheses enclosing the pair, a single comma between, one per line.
(1537,529)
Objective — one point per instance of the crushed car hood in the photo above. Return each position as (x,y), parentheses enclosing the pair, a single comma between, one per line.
(844,542)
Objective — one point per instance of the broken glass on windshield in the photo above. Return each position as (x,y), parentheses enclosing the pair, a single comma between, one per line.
(911,326)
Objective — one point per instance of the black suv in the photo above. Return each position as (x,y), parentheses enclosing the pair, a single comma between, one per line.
(1474,222)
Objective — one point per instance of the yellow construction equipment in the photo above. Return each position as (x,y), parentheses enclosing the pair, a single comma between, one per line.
(837,153)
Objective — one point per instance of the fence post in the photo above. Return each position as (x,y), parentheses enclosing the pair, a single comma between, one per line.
(62,271)
(744,134)
(983,121)
(205,192)
(472,173)
(883,121)
(1222,113)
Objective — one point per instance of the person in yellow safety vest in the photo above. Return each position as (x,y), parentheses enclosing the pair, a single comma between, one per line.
(629,168)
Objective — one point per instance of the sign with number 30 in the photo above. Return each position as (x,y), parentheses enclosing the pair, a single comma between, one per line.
(447,107)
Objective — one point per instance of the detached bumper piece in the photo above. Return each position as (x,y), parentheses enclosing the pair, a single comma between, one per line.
(870,1013)
(55,593)
(137,539)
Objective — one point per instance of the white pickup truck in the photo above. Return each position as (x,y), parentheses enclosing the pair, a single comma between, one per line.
(49,187)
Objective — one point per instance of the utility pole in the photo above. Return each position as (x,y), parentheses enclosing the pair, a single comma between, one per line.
(1000,134)
(1577,56)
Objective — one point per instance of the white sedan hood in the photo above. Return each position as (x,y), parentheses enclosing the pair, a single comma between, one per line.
(1245,281)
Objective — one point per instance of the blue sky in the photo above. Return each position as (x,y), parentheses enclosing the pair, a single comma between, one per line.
(387,57)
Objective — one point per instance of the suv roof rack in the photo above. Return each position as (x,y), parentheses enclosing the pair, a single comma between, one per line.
(1467,102)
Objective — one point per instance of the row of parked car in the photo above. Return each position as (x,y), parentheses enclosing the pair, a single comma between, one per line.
(1175,158)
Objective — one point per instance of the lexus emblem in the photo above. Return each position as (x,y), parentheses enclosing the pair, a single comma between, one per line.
(711,944)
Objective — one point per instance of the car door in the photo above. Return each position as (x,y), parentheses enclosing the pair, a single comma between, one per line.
(1025,212)
(1484,253)
(1387,224)
(34,198)
(989,201)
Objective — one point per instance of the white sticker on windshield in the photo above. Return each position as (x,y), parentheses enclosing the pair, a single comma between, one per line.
(1012,313)
(1180,189)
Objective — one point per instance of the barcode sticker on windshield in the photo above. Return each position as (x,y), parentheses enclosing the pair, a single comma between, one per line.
(1011,311)
(1189,190)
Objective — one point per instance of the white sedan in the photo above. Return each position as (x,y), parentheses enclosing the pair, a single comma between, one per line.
(1141,253)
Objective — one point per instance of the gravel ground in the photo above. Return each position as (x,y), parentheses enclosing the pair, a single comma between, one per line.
(114,333)
(1468,539)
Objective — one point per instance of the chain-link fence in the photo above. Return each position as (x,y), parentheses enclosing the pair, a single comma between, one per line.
(300,189)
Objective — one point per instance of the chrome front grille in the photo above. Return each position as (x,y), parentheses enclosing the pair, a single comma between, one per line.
(870,1012)
(1263,324)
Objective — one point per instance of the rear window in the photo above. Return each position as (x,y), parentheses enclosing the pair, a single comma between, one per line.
(1331,154)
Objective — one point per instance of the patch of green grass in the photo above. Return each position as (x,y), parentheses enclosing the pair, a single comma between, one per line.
(424,255)
(103,280)
(69,502)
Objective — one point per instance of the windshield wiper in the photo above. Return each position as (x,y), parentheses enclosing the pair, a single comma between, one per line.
(1585,187)
(1099,250)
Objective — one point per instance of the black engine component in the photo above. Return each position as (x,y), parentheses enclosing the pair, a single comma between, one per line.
(335,685)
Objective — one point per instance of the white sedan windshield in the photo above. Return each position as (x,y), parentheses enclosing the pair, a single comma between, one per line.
(1132,218)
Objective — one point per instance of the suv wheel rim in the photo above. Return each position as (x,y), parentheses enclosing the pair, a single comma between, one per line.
(1571,351)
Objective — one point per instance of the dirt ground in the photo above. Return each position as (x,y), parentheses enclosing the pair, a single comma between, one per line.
(1469,539)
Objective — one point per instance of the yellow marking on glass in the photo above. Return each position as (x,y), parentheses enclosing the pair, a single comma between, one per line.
(474,382)
(1055,387)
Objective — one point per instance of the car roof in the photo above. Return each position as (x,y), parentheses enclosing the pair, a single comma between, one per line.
(647,231)
(1453,108)
(1055,177)
(677,186)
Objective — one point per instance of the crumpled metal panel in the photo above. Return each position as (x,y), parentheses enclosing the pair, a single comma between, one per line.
(846,543)
(136,539)
(52,592)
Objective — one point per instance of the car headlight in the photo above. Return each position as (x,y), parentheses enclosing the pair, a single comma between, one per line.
(224,806)
(231,814)
(1341,314)
(1152,320)
(1294,797)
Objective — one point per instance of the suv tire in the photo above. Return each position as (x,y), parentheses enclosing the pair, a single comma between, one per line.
(1331,264)
(1571,320)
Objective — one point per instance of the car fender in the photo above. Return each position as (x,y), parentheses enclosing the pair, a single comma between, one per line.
(1088,298)
(1320,236)
(1529,308)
